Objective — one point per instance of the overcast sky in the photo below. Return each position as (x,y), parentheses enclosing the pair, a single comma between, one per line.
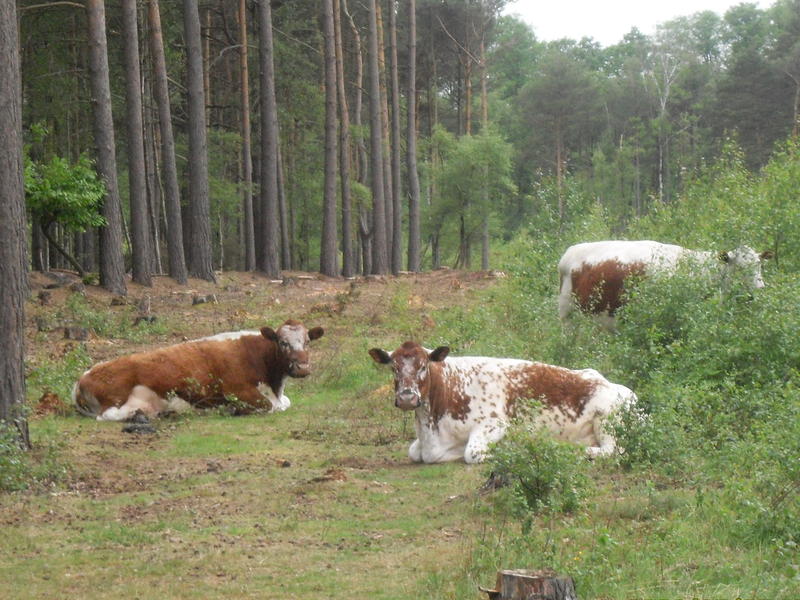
(608,20)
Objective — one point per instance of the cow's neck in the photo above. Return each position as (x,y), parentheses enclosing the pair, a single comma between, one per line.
(435,404)
(276,369)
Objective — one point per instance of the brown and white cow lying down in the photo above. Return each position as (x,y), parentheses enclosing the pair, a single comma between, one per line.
(462,404)
(250,365)
(593,274)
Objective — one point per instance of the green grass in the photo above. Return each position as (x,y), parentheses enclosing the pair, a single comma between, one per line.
(321,501)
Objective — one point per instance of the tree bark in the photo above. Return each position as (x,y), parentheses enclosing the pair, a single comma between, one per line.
(270,260)
(13,261)
(484,131)
(172,198)
(379,247)
(521,585)
(200,264)
(247,157)
(348,266)
(140,234)
(397,216)
(388,203)
(287,231)
(112,270)
(411,144)
(328,250)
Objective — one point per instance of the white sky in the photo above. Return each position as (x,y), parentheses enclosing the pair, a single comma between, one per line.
(607,21)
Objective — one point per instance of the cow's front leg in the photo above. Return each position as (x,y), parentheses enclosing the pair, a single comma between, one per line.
(478,445)
(415,451)
(281,404)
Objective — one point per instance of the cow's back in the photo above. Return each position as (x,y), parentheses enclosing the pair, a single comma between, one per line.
(193,370)
(593,274)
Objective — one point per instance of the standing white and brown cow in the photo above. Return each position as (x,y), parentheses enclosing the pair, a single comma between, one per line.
(462,404)
(250,366)
(593,274)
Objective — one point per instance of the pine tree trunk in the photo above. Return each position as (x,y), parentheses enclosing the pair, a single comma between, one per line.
(140,234)
(200,264)
(269,229)
(287,231)
(379,247)
(172,199)
(328,249)
(112,266)
(348,266)
(411,144)
(397,216)
(247,158)
(13,276)
(484,128)
(388,203)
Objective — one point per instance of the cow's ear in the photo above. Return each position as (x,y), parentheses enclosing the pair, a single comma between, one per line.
(380,356)
(439,354)
(269,333)
(724,256)
(315,333)
(767,254)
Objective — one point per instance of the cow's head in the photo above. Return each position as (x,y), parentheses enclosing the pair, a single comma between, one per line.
(410,364)
(292,340)
(746,262)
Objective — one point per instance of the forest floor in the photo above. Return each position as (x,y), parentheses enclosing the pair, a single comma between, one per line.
(319,501)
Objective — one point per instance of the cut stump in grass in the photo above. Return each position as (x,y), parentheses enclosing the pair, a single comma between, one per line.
(518,584)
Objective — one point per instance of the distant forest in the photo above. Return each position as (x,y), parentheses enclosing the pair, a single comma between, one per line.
(350,137)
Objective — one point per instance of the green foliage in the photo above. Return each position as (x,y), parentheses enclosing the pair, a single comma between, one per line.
(58,376)
(542,473)
(13,471)
(24,469)
(70,194)
(473,175)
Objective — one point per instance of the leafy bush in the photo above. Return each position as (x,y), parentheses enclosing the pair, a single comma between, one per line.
(13,468)
(542,473)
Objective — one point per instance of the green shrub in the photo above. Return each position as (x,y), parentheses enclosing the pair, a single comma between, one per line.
(541,473)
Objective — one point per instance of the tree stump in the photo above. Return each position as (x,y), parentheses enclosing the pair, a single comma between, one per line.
(516,584)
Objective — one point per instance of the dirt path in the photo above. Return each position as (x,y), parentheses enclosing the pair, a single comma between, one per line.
(317,502)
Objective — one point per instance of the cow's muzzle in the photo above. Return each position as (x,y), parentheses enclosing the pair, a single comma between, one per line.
(299,370)
(407,399)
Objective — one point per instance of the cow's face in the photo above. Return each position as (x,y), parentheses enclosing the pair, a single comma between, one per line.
(292,339)
(410,364)
(746,262)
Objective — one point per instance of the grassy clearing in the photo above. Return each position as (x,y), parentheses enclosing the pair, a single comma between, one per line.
(321,501)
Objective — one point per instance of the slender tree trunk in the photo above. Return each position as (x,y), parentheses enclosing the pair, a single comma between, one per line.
(112,270)
(172,199)
(140,234)
(206,46)
(397,215)
(270,261)
(247,158)
(358,85)
(385,135)
(484,130)
(379,247)
(13,261)
(411,144)
(200,262)
(287,231)
(38,246)
(348,267)
(328,251)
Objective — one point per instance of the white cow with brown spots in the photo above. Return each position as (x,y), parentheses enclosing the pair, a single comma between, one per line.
(250,366)
(593,274)
(463,404)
